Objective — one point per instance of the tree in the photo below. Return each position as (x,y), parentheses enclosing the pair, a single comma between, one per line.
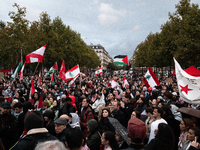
(179,38)
(62,42)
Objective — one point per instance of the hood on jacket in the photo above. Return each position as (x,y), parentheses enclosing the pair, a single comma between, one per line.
(75,120)
(92,125)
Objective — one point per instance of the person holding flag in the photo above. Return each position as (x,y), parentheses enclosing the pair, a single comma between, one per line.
(150,79)
(99,71)
(62,71)
(36,56)
(53,68)
(13,76)
(72,73)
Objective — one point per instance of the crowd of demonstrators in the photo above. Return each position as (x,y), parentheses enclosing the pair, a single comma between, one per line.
(77,115)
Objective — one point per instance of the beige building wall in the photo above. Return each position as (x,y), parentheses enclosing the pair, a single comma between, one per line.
(103,55)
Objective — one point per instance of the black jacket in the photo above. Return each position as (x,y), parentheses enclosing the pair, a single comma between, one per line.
(119,115)
(8,126)
(51,128)
(30,141)
(93,139)
(66,110)
(61,136)
(127,112)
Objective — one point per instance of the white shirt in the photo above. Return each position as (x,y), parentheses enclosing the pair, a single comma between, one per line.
(154,126)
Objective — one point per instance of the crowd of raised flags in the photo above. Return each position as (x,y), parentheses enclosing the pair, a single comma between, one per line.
(188,83)
(72,74)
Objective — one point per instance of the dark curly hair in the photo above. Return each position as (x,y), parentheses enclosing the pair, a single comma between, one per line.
(164,137)
(110,136)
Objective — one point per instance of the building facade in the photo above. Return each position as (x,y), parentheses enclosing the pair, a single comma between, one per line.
(103,55)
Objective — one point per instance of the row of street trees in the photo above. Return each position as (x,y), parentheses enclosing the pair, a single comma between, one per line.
(62,42)
(179,38)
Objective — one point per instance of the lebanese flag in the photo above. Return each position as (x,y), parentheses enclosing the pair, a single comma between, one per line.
(39,79)
(99,71)
(72,81)
(121,60)
(13,76)
(113,83)
(21,72)
(53,68)
(125,82)
(36,56)
(150,79)
(72,73)
(188,84)
(32,87)
(62,71)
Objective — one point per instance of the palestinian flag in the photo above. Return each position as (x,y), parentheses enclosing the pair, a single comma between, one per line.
(52,79)
(121,60)
(36,56)
(125,82)
(99,71)
(13,76)
(72,73)
(150,79)
(21,72)
(53,68)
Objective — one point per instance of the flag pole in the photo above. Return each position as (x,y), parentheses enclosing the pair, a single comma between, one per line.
(36,68)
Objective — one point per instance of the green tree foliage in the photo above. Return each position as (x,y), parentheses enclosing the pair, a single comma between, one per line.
(62,42)
(179,38)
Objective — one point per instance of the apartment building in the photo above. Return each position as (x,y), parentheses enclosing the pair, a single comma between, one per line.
(103,55)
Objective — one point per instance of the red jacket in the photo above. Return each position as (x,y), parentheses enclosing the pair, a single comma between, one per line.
(85,116)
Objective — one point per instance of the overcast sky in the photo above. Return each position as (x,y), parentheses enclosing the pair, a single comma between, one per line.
(118,25)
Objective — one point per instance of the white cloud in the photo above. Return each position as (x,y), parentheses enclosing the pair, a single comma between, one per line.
(108,15)
(136,28)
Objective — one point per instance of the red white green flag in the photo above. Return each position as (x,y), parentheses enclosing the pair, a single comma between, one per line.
(114,83)
(150,79)
(53,68)
(21,72)
(52,79)
(36,56)
(125,82)
(62,71)
(32,88)
(121,60)
(13,76)
(45,71)
(72,73)
(99,71)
